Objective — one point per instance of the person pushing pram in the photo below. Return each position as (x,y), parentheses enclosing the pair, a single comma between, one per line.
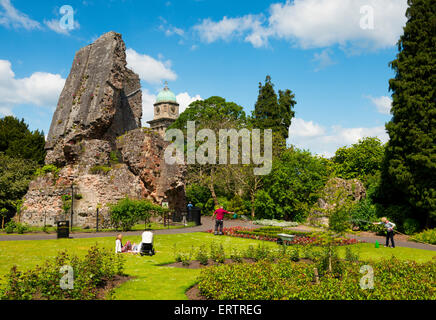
(146,246)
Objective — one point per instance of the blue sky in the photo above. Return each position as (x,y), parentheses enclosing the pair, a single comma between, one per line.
(332,54)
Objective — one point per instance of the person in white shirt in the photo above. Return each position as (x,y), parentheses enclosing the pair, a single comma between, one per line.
(390,230)
(118,244)
(119,248)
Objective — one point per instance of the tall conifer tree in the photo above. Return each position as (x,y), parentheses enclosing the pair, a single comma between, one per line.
(410,163)
(272,112)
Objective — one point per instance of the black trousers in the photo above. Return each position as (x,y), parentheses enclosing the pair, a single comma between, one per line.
(390,235)
(220,224)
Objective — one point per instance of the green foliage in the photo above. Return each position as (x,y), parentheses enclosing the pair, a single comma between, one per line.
(265,280)
(292,187)
(350,255)
(10,226)
(91,273)
(127,212)
(274,112)
(236,256)
(197,194)
(237,206)
(262,252)
(427,236)
(99,169)
(409,173)
(15,176)
(66,203)
(411,226)
(294,254)
(114,157)
(46,169)
(17,141)
(202,255)
(361,160)
(363,213)
(339,220)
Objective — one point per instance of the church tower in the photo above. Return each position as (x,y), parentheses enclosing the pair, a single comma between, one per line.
(166,111)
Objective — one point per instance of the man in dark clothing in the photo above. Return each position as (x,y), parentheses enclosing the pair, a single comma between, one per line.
(219,213)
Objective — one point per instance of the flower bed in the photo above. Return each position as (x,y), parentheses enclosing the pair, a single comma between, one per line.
(301,238)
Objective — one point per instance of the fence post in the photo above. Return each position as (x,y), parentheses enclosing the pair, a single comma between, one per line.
(96,227)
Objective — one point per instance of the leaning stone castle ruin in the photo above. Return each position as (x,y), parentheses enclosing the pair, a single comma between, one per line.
(97,142)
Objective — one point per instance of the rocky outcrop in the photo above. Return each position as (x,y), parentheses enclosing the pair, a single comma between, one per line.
(335,194)
(101,100)
(98,144)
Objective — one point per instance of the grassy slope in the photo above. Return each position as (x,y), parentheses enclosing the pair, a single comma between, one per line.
(153,281)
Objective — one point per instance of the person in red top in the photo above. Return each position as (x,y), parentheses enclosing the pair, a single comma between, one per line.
(219,213)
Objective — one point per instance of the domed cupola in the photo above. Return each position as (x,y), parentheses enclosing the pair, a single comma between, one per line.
(166,110)
(166,95)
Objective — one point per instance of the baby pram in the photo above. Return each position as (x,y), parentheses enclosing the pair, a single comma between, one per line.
(146,245)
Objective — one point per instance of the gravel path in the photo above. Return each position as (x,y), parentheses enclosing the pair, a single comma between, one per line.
(207,224)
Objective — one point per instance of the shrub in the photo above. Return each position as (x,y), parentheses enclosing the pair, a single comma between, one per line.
(294,254)
(220,254)
(350,255)
(427,236)
(21,228)
(90,274)
(261,253)
(264,280)
(250,252)
(411,226)
(236,256)
(99,169)
(339,220)
(46,169)
(10,226)
(362,213)
(127,212)
(202,255)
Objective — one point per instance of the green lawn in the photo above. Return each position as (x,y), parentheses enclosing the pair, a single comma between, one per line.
(158,282)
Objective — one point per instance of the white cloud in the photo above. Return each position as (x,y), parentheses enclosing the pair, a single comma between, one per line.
(322,23)
(5,111)
(323,59)
(184,99)
(174,30)
(249,26)
(325,141)
(41,88)
(383,104)
(12,17)
(149,69)
(314,24)
(301,128)
(54,25)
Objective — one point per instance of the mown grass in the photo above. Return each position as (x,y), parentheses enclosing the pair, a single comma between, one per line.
(155,282)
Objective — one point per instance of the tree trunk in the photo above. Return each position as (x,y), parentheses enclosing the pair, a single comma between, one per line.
(252,205)
(3,222)
(212,189)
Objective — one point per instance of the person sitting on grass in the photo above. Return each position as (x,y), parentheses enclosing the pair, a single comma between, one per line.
(390,230)
(219,213)
(119,248)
